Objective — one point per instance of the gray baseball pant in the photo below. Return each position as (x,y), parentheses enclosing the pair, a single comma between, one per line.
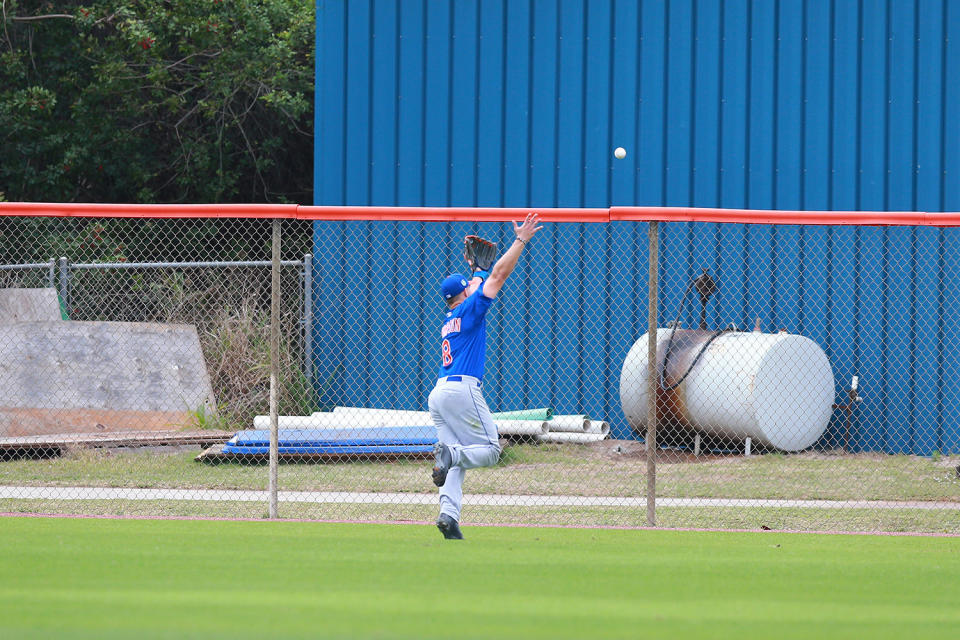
(465,425)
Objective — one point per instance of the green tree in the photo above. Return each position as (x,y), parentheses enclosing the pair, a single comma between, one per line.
(156,101)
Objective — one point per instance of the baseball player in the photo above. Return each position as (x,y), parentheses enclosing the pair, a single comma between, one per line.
(467,436)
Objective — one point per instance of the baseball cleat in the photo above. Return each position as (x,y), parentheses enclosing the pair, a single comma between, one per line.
(441,465)
(449,527)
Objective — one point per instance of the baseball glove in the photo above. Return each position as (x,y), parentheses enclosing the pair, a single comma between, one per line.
(480,253)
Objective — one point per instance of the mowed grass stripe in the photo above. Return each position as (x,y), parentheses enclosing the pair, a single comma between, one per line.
(147,579)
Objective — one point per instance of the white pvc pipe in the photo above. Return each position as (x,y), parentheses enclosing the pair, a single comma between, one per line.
(347,421)
(521,427)
(598,426)
(569,423)
(567,437)
(343,421)
(283,422)
(399,418)
(382,413)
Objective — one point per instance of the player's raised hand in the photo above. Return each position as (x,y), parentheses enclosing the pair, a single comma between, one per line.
(505,265)
(529,227)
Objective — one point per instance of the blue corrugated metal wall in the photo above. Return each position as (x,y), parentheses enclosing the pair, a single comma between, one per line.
(789,105)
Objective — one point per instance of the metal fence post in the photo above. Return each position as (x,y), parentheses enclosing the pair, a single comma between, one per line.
(308,320)
(274,362)
(65,284)
(652,377)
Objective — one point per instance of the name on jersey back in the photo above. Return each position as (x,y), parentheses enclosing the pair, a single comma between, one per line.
(450,326)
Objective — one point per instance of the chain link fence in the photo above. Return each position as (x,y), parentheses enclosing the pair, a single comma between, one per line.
(804,374)
(128,345)
(817,377)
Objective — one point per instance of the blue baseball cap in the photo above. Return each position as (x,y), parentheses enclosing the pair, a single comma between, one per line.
(452,285)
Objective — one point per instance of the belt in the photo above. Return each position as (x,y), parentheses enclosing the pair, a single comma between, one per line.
(461,379)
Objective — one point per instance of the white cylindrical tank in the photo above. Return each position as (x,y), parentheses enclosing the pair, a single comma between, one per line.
(776,388)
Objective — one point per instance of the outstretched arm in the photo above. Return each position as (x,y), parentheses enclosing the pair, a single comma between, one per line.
(508,261)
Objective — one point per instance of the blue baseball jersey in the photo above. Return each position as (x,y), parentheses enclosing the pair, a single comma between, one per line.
(463,337)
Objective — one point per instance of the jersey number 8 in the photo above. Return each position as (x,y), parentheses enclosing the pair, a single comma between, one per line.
(447,355)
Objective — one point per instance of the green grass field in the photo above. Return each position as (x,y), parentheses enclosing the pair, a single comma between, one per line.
(548,469)
(525,469)
(90,578)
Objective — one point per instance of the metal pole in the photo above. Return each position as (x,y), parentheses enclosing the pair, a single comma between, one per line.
(653,381)
(52,274)
(65,284)
(308,320)
(274,363)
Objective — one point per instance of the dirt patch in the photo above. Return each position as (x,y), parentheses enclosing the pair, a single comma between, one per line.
(949,462)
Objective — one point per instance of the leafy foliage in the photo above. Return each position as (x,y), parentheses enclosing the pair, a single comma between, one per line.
(156,101)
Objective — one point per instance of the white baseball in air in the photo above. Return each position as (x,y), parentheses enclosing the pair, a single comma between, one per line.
(620,153)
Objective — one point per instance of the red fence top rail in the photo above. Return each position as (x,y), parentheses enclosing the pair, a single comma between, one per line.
(480,214)
(466,214)
(452,214)
(93,210)
(761,216)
